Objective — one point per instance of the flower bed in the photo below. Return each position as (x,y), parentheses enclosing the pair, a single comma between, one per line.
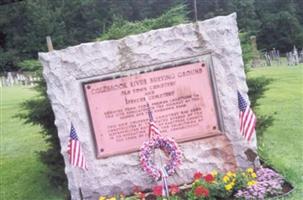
(248,184)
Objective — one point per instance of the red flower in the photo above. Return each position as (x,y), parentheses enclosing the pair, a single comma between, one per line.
(157,190)
(209,178)
(201,192)
(174,189)
(197,176)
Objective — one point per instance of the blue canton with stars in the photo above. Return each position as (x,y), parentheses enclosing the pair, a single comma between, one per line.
(242,102)
(73,133)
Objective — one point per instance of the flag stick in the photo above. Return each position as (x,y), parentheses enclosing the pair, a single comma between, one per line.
(195,10)
(49,43)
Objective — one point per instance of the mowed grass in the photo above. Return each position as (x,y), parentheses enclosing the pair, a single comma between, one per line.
(21,173)
(282,144)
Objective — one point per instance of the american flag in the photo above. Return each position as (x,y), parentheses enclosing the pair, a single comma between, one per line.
(153,129)
(247,118)
(74,150)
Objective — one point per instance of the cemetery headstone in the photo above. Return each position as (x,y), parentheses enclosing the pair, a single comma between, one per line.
(267,59)
(256,60)
(190,73)
(295,56)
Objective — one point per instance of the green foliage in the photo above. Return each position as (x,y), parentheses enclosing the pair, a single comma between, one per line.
(247,50)
(257,86)
(209,9)
(30,65)
(8,60)
(122,28)
(25,24)
(280,26)
(39,112)
(133,10)
(247,18)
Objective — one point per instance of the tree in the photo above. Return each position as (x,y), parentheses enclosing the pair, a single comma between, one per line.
(209,9)
(280,27)
(246,15)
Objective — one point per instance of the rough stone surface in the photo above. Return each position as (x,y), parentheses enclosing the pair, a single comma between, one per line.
(63,70)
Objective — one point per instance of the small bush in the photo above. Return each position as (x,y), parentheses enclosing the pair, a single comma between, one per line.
(39,112)
(31,65)
(122,28)
(257,86)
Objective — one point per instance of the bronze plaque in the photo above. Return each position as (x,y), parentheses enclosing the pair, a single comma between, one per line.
(181,98)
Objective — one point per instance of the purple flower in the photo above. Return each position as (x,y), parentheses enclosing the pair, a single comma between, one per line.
(268,183)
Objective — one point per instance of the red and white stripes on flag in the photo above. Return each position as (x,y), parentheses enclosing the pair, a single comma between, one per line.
(74,150)
(153,129)
(247,119)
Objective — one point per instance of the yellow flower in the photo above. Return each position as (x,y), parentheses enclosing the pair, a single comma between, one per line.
(225,179)
(231,174)
(250,170)
(112,198)
(102,198)
(214,173)
(254,175)
(228,187)
(251,183)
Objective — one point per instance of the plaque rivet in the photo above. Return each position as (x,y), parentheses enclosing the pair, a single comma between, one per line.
(101,150)
(88,87)
(214,127)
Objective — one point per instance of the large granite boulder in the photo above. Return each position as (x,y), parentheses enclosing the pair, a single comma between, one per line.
(65,69)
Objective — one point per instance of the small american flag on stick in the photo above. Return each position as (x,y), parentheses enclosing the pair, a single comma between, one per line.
(153,129)
(247,118)
(74,150)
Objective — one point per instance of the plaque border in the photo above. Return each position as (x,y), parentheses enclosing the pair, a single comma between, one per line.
(150,68)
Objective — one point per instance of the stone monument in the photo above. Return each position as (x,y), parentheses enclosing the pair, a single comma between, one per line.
(191,74)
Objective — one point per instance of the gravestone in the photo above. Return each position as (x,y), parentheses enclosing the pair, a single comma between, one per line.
(301,56)
(296,56)
(191,74)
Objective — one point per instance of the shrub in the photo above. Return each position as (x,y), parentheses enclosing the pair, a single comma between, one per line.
(30,65)
(121,28)
(257,86)
(39,112)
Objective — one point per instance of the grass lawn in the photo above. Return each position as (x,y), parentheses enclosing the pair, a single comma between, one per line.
(21,173)
(282,144)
